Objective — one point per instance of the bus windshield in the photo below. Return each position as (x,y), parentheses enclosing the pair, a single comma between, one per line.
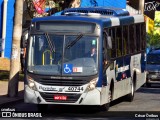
(74,55)
(153,59)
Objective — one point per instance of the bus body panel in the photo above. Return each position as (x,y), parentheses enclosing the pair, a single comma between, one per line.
(122,86)
(136,69)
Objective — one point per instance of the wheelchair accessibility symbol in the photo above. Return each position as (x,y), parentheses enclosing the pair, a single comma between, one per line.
(67,68)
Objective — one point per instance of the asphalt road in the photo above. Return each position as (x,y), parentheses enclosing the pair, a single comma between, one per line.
(146,101)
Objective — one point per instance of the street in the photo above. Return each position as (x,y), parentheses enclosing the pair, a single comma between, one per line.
(146,100)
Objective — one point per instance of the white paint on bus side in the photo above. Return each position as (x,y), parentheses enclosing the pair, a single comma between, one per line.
(115,21)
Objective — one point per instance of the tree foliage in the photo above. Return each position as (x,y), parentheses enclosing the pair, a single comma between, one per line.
(153,40)
(53,5)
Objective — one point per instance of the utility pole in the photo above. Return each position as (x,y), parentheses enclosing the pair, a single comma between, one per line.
(15,57)
(141,6)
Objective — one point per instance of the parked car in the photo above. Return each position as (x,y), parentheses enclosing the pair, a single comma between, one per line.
(153,67)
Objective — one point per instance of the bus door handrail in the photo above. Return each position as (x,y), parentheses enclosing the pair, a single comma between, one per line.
(43,58)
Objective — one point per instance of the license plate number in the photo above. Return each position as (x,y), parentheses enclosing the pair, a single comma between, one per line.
(74,89)
(57,97)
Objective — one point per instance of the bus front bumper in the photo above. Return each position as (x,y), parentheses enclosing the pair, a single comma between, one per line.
(87,98)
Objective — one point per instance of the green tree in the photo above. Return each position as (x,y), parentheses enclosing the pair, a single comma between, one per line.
(54,4)
(153,40)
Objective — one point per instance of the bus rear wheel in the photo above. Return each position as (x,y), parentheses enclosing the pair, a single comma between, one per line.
(130,96)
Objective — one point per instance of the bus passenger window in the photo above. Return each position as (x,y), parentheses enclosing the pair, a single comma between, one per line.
(138,38)
(132,39)
(126,49)
(143,32)
(119,41)
(106,52)
(113,53)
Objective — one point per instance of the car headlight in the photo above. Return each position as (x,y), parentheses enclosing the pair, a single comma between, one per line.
(31,83)
(92,84)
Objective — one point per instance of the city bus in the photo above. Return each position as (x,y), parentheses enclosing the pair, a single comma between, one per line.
(86,56)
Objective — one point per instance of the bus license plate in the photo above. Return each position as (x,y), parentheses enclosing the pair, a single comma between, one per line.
(59,97)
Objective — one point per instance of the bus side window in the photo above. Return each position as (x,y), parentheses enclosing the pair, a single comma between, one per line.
(106,46)
(143,32)
(113,52)
(119,41)
(138,38)
(132,39)
(126,46)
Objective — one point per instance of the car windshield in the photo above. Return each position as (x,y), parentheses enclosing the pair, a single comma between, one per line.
(63,55)
(153,59)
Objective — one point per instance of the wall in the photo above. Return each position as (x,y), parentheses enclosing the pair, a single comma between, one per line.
(108,3)
(9,27)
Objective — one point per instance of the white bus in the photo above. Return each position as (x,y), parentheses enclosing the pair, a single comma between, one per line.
(86,56)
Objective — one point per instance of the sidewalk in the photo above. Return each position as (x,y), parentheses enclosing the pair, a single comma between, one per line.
(4,99)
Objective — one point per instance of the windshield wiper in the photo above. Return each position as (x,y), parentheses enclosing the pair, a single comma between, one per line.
(70,44)
(50,43)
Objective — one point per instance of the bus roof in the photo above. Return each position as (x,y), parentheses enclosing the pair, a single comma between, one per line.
(110,18)
(101,10)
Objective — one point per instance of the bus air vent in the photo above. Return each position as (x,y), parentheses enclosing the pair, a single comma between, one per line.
(62,82)
(100,10)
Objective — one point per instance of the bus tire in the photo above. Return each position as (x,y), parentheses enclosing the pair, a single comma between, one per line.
(42,107)
(130,96)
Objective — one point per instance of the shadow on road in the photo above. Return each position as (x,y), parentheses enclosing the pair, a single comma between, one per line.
(85,111)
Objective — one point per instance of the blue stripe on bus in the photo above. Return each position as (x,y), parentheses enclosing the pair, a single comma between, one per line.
(99,83)
(107,23)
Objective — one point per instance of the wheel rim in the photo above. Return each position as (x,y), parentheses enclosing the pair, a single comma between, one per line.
(132,88)
(109,96)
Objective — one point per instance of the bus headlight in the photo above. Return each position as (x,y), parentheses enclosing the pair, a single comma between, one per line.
(31,83)
(92,84)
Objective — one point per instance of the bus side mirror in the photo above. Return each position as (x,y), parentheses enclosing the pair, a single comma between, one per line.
(24,39)
(109,42)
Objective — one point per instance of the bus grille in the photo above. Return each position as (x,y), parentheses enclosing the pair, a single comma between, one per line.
(62,82)
(49,97)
